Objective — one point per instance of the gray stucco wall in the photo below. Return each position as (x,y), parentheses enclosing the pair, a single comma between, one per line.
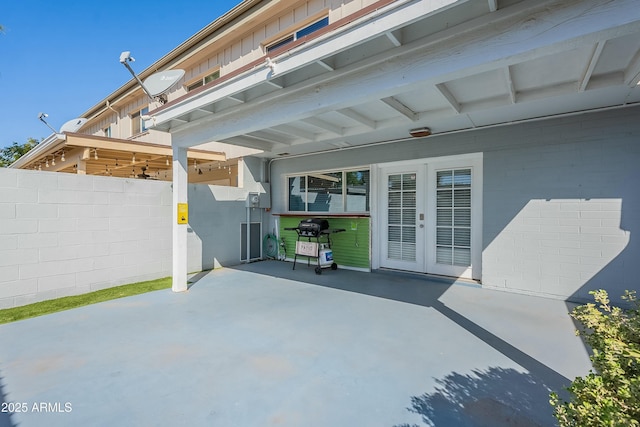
(561,204)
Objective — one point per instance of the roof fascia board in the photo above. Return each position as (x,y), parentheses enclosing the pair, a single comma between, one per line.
(46,145)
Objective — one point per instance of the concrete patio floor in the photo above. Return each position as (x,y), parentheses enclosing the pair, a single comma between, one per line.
(262,345)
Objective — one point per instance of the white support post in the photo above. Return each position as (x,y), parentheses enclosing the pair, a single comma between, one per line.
(180,189)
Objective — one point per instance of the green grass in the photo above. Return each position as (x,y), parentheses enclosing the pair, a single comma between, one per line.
(67,303)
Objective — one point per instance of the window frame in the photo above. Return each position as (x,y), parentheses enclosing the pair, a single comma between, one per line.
(136,116)
(202,80)
(293,35)
(344,190)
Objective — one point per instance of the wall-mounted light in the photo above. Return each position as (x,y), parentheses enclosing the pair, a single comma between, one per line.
(271,65)
(419,132)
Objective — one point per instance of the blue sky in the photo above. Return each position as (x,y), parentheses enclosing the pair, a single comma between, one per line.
(62,57)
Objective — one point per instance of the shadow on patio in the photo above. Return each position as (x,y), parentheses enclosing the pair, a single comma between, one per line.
(5,411)
(494,396)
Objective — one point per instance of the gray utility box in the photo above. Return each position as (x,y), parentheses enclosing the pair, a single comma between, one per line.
(260,199)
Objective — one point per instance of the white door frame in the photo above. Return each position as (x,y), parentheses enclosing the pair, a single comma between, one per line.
(431,165)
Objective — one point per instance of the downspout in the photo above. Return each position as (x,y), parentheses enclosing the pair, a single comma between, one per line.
(117,116)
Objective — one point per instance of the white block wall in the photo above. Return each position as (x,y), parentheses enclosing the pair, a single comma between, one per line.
(63,234)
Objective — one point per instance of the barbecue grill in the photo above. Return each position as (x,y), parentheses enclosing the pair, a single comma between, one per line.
(314,241)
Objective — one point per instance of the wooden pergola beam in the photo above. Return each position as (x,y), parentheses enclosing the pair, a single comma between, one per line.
(96,142)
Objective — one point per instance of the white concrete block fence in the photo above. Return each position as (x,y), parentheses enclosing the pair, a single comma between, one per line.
(63,234)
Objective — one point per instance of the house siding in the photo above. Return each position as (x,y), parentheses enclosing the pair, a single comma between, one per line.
(560,198)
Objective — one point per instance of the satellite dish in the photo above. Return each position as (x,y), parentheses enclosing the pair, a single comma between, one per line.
(73,125)
(159,83)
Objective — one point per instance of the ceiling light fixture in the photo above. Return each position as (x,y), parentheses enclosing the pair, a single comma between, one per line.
(62,157)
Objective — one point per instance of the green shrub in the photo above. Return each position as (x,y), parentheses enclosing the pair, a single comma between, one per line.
(610,396)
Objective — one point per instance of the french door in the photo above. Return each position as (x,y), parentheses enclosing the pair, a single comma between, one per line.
(402,234)
(430,217)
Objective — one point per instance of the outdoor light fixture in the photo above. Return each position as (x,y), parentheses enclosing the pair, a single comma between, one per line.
(416,133)
(95,153)
(271,65)
(53,161)
(62,157)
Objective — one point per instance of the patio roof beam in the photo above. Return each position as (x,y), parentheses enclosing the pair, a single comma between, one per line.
(237,97)
(595,56)
(263,138)
(325,64)
(632,74)
(446,93)
(510,87)
(250,142)
(321,124)
(400,108)
(395,40)
(357,117)
(88,142)
(290,130)
(274,84)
